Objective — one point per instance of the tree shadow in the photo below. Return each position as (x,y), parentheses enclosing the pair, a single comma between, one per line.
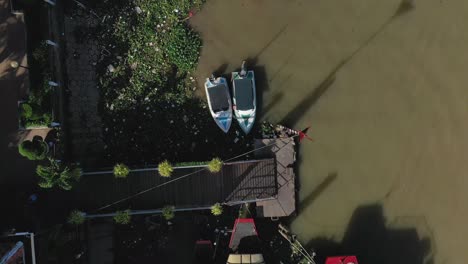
(291,118)
(275,99)
(309,100)
(221,71)
(318,190)
(372,241)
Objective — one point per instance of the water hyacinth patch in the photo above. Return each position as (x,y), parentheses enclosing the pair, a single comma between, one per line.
(148,106)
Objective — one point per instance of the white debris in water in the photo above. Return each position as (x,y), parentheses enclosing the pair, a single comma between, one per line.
(138,10)
(111,68)
(176,10)
(236,140)
(185,118)
(172,122)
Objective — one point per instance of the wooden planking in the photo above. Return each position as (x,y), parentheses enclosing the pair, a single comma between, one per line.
(285,203)
(236,182)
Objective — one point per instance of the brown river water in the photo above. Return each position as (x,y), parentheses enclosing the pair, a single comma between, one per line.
(384,87)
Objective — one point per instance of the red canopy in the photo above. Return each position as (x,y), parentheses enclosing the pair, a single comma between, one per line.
(342,260)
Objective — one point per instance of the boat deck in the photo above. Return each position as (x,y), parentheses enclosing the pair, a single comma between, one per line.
(283,151)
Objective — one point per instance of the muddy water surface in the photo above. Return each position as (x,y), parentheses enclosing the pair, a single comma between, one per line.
(384,86)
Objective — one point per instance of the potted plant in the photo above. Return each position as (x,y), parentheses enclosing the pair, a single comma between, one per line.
(215,165)
(35,149)
(165,169)
(57,174)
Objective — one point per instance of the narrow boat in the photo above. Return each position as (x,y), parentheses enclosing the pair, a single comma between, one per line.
(219,101)
(245,105)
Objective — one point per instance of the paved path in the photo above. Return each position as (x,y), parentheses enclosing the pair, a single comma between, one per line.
(13,87)
(84,120)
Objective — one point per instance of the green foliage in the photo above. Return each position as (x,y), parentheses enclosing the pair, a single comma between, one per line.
(165,169)
(191,163)
(123,217)
(76,217)
(244,211)
(183,47)
(26,111)
(217,209)
(215,165)
(168,212)
(267,129)
(121,171)
(33,149)
(39,104)
(57,174)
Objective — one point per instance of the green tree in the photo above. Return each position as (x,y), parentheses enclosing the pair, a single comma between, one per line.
(168,212)
(76,217)
(121,170)
(165,169)
(217,209)
(57,174)
(123,217)
(35,149)
(215,165)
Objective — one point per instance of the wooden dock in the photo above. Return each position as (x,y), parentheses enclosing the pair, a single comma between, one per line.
(238,182)
(282,149)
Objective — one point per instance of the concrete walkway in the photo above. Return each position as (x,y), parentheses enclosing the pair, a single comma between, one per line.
(13,87)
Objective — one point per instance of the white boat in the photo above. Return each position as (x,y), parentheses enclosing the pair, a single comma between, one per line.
(244,97)
(219,101)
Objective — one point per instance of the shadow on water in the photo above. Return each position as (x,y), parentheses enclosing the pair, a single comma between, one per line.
(318,190)
(309,100)
(275,99)
(372,241)
(221,71)
(291,118)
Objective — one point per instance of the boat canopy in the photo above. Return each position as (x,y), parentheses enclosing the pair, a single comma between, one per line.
(245,259)
(219,98)
(243,91)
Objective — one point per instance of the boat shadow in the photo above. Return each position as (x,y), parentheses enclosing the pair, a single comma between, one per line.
(369,237)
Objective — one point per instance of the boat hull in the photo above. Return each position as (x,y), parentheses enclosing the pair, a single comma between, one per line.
(246,115)
(222,118)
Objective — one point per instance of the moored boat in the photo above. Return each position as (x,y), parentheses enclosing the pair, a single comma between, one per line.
(219,101)
(244,97)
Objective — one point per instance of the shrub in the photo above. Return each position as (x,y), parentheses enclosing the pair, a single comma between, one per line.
(217,209)
(121,171)
(168,212)
(26,111)
(76,217)
(123,217)
(215,165)
(57,174)
(33,149)
(183,47)
(165,169)
(244,211)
